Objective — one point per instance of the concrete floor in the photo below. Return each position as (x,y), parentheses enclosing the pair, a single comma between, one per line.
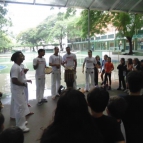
(43,115)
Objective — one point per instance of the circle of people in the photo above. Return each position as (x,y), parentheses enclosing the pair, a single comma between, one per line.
(72,121)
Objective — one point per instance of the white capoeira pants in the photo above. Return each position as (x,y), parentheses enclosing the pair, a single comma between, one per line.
(12,112)
(40,86)
(18,97)
(55,82)
(89,72)
(26,93)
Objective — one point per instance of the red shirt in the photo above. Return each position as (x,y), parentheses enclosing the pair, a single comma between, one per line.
(108,67)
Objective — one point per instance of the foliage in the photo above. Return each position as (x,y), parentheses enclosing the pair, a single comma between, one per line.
(98,22)
(127,25)
(5,23)
(52,30)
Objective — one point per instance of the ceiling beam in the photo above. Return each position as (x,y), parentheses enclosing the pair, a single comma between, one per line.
(91,4)
(67,3)
(31,3)
(114,4)
(134,5)
(34,2)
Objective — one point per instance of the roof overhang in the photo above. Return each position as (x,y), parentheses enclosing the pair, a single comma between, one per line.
(132,6)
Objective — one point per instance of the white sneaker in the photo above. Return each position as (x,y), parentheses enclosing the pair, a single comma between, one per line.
(25,129)
(26,122)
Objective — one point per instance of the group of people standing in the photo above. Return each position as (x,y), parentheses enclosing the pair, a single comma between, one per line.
(19,88)
(19,103)
(124,68)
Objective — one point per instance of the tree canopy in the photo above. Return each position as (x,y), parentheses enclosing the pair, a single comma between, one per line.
(52,30)
(5,23)
(126,23)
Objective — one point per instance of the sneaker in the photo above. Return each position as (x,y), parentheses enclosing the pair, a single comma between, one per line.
(40,103)
(44,100)
(119,88)
(25,129)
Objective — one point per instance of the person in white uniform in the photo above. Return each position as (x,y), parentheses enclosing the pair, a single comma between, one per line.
(90,63)
(70,62)
(17,88)
(39,64)
(55,61)
(27,111)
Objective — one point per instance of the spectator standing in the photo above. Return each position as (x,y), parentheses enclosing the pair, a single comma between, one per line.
(97,100)
(96,70)
(122,73)
(109,67)
(133,117)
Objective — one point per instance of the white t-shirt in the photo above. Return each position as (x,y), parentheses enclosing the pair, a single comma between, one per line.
(90,62)
(69,59)
(17,72)
(55,60)
(40,71)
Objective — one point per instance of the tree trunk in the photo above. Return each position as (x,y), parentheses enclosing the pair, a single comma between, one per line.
(130,45)
(37,48)
(33,49)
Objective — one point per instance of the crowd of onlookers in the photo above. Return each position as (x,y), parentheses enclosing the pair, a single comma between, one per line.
(106,67)
(73,123)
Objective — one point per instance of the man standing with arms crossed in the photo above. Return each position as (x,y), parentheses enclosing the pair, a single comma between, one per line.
(55,61)
(70,61)
(39,65)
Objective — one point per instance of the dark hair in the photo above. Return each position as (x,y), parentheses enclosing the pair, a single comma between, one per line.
(90,51)
(72,121)
(96,57)
(137,61)
(105,55)
(41,50)
(12,135)
(56,48)
(98,99)
(1,121)
(109,58)
(15,56)
(130,61)
(117,107)
(135,81)
(67,47)
(123,59)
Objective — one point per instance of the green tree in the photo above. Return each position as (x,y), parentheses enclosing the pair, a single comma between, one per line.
(127,25)
(98,22)
(5,23)
(29,37)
